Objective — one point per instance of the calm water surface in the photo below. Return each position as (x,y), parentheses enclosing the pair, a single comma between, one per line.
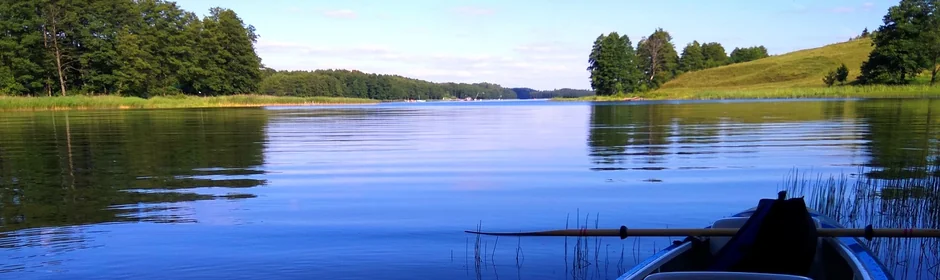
(386,191)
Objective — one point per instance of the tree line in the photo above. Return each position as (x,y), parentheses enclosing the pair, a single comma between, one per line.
(128,47)
(528,93)
(352,83)
(616,66)
(906,45)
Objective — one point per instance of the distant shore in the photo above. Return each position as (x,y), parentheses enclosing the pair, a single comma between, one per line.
(876,91)
(118,102)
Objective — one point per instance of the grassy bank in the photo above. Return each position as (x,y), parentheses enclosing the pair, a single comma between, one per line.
(117,102)
(873,91)
(876,91)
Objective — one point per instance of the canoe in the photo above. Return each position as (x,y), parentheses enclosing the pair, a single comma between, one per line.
(833,257)
(780,239)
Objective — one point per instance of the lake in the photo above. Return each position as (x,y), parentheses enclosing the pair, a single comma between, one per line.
(385,191)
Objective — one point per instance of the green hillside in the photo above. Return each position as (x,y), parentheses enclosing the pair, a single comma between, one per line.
(799,69)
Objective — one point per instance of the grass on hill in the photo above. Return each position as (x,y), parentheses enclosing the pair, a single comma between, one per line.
(799,69)
(118,102)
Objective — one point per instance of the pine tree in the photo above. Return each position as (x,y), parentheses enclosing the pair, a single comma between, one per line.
(842,73)
(595,67)
(830,78)
(630,75)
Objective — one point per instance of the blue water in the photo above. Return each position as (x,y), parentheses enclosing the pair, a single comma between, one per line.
(385,191)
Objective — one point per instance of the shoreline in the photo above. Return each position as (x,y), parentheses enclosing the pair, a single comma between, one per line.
(848,91)
(109,102)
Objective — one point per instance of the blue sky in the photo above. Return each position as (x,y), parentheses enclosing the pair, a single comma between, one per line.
(537,44)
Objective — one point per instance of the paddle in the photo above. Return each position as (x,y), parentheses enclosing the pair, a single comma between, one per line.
(868,232)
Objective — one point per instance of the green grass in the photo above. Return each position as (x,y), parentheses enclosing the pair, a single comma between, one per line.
(799,69)
(616,97)
(873,91)
(118,102)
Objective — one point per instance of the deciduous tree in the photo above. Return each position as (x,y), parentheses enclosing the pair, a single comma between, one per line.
(692,58)
(657,58)
(739,55)
(714,55)
(899,43)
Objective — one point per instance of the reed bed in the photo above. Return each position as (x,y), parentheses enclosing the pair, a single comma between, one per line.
(83,102)
(585,257)
(868,91)
(856,200)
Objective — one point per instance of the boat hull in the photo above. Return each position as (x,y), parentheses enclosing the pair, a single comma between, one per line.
(856,261)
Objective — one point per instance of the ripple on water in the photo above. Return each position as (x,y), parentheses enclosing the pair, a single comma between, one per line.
(358,191)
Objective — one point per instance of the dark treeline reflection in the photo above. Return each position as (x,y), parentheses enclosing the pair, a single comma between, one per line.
(72,168)
(898,136)
(903,135)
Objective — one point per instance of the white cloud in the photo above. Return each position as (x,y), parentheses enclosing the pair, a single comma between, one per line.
(341,13)
(800,9)
(296,48)
(797,9)
(867,6)
(842,10)
(474,11)
(549,49)
(541,66)
(536,49)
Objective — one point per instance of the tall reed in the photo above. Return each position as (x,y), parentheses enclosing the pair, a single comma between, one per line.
(857,200)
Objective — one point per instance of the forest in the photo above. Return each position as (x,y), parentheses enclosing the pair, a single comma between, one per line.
(352,83)
(125,47)
(148,48)
(617,67)
(528,93)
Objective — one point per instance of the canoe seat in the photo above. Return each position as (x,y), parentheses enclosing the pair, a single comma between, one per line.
(718,242)
(716,275)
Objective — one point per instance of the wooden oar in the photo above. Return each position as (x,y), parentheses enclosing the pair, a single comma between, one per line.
(623,232)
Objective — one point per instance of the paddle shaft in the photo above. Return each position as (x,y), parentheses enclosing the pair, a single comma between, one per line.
(623,232)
